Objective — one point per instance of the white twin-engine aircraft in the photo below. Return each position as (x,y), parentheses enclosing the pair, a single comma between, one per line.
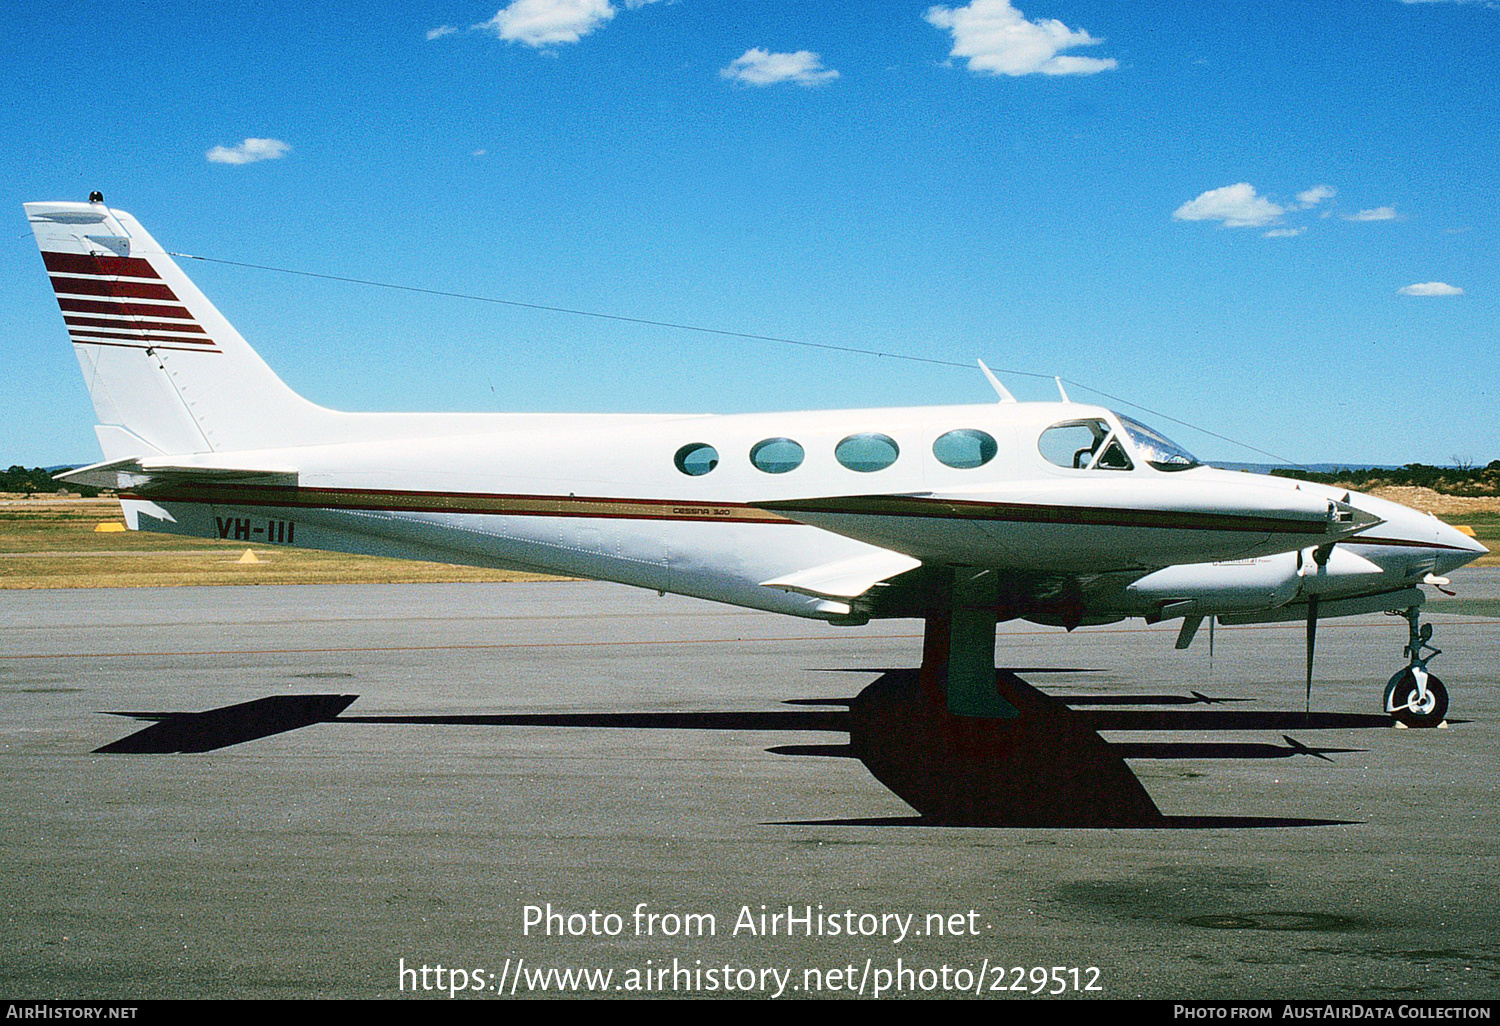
(1059,513)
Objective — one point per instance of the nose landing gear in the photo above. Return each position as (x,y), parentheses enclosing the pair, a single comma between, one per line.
(1414,696)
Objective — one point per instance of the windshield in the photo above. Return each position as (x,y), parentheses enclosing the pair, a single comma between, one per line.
(1158,450)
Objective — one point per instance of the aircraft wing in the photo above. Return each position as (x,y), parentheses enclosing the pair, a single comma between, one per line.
(1314,514)
(143,473)
(1387,602)
(1093,526)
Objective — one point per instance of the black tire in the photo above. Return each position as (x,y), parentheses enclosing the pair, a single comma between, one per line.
(1403,690)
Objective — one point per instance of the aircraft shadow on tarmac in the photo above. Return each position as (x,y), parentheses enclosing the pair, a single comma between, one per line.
(1046,768)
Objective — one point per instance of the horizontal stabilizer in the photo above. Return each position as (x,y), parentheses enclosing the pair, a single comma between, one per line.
(231,725)
(847,578)
(142,474)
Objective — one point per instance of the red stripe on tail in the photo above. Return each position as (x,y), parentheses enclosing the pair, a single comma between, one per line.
(100,322)
(120,307)
(83,263)
(105,287)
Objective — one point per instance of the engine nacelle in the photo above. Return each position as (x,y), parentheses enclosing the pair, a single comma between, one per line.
(1247,585)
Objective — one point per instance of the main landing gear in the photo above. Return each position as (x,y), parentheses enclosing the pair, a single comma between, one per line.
(1414,696)
(967,744)
(958,649)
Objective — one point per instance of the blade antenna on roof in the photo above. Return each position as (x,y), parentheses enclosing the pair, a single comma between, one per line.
(1000,390)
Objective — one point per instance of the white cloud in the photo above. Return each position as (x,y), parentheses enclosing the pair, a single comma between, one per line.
(441,31)
(1317,194)
(545,22)
(1284,233)
(760,67)
(1375,214)
(249,151)
(1431,288)
(998,40)
(1237,206)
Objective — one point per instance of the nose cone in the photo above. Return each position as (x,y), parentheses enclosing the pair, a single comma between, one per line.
(1407,543)
(1457,548)
(1447,547)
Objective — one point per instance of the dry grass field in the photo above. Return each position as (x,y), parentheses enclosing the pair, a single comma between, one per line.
(52,543)
(1482,514)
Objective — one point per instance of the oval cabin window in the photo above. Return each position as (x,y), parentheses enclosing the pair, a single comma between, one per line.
(696,459)
(776,455)
(965,448)
(867,453)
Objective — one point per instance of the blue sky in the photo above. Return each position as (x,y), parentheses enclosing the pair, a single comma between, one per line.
(1210,210)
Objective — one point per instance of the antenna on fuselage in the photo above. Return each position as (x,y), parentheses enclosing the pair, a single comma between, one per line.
(1000,390)
(1061,391)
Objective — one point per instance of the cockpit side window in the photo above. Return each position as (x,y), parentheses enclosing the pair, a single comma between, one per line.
(1112,457)
(1084,445)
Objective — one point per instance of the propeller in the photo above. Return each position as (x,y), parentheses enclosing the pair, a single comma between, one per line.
(1320,557)
(1298,748)
(1312,641)
(1199,696)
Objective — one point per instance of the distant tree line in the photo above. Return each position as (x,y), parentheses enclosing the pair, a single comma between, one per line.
(1460,480)
(37,481)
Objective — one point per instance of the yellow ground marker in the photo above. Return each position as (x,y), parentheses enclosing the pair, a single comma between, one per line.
(108,528)
(1464,529)
(248,557)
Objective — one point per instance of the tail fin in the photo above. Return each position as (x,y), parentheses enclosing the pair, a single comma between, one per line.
(167,373)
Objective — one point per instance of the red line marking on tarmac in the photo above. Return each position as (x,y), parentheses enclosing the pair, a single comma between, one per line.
(1290,626)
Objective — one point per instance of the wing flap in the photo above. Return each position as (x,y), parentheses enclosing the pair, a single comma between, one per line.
(846,578)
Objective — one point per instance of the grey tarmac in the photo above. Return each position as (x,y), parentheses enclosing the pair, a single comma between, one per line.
(320,862)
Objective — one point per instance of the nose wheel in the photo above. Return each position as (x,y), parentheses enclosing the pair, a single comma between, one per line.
(1415,704)
(1414,696)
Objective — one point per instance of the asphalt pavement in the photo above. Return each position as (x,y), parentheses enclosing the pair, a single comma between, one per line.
(520,780)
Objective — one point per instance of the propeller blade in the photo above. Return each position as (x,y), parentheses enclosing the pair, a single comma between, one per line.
(1299,748)
(1312,642)
(1199,696)
(1302,749)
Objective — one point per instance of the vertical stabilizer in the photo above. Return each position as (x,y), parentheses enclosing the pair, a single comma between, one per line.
(162,365)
